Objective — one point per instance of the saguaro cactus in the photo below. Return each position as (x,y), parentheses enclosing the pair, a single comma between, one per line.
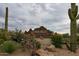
(6,19)
(6,25)
(73,13)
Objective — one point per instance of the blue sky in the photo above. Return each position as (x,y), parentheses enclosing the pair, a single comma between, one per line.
(31,15)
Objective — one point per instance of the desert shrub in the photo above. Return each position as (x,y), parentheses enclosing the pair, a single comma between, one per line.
(1,41)
(38,45)
(57,40)
(66,35)
(3,36)
(32,43)
(35,44)
(9,46)
(78,39)
(17,36)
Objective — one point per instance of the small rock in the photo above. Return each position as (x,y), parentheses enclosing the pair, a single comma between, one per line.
(64,46)
(4,54)
(51,48)
(42,52)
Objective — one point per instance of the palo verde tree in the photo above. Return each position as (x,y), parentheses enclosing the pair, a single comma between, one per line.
(73,14)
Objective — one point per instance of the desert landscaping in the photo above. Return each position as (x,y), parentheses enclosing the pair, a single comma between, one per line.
(47,50)
(40,41)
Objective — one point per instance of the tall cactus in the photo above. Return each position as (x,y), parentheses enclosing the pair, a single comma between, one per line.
(73,13)
(6,19)
(6,24)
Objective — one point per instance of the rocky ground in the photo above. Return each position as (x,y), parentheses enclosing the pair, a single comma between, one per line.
(51,51)
(47,50)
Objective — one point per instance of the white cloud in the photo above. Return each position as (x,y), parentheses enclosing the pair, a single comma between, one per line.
(24,16)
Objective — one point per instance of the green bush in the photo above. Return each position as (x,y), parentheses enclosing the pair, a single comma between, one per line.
(1,41)
(38,45)
(17,36)
(57,40)
(66,35)
(9,46)
(3,36)
(32,43)
(35,43)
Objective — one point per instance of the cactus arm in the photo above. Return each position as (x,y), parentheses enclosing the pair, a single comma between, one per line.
(77,17)
(70,14)
(76,11)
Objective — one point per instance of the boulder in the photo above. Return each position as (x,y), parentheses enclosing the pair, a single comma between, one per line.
(51,48)
(64,46)
(42,52)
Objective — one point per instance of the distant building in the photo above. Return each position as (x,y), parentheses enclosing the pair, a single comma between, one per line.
(39,32)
